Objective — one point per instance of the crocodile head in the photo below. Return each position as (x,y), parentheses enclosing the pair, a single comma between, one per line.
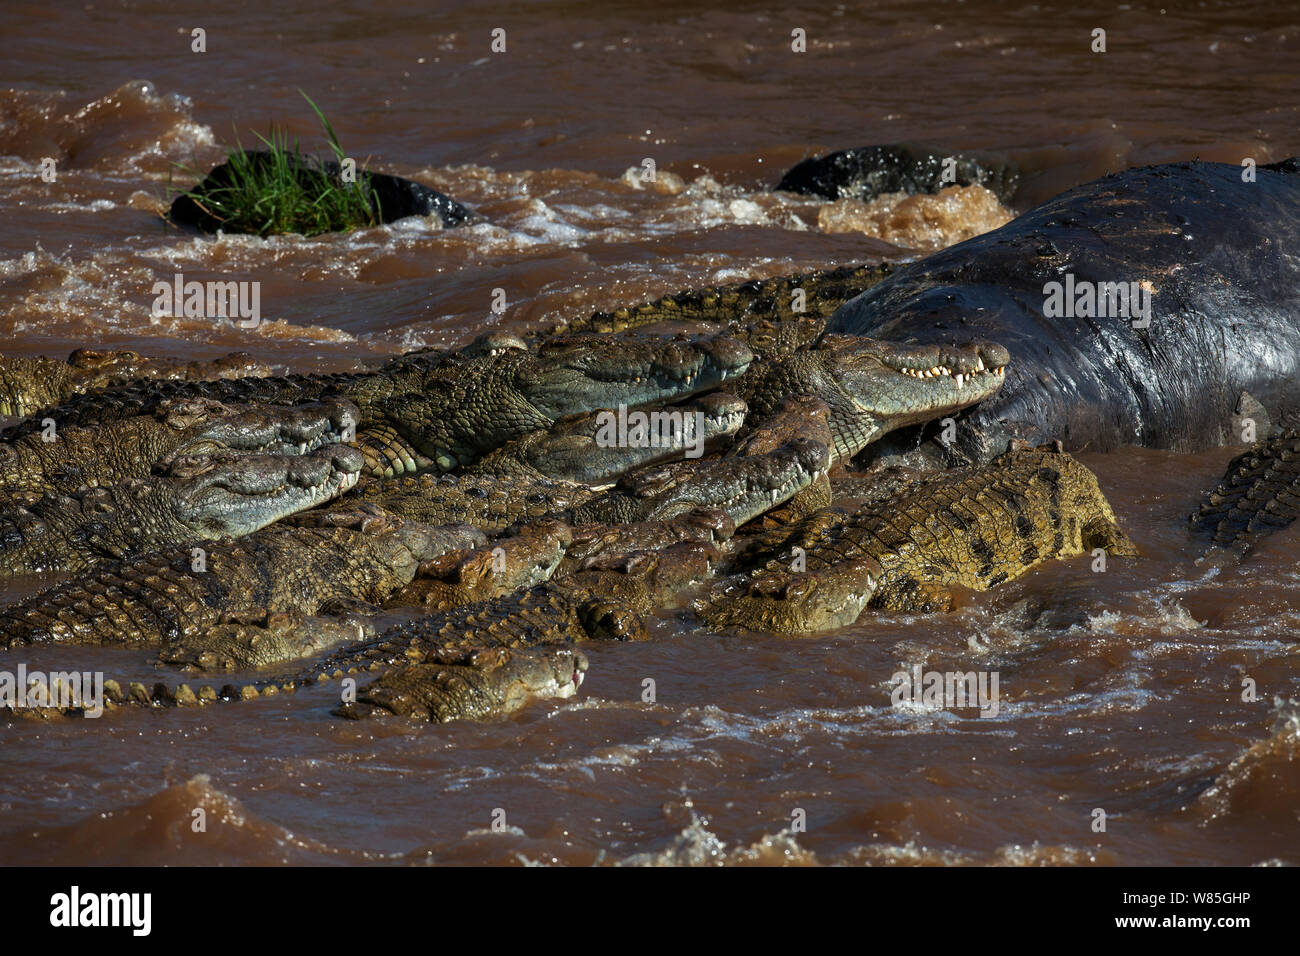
(743,488)
(227,493)
(453,409)
(212,426)
(522,559)
(484,683)
(599,446)
(793,602)
(873,387)
(625,587)
(582,373)
(540,672)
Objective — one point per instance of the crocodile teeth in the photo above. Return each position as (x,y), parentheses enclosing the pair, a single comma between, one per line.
(960,379)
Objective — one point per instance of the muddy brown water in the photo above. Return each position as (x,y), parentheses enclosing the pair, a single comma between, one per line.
(1120,690)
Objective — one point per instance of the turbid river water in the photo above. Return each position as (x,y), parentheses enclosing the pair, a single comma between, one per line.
(1120,690)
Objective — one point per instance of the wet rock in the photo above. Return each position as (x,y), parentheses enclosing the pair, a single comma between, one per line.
(868,171)
(397,198)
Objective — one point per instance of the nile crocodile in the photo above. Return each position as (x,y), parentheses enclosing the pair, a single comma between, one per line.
(744,488)
(874,387)
(198,498)
(432,409)
(975,528)
(28,383)
(1259,494)
(62,460)
(175,597)
(600,446)
(512,562)
(470,661)
(472,686)
(480,684)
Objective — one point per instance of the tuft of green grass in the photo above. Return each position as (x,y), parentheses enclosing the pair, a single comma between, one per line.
(285,191)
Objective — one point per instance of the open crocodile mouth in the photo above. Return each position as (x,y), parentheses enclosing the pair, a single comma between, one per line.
(961,377)
(786,489)
(331,436)
(720,417)
(336,483)
(567,686)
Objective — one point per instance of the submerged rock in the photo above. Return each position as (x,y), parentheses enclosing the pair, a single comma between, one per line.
(870,171)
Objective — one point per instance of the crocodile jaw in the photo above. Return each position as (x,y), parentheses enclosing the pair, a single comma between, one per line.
(631,371)
(884,386)
(234,495)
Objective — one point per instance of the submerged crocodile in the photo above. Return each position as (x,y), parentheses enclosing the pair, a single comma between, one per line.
(470,661)
(198,498)
(472,686)
(869,171)
(974,528)
(1259,494)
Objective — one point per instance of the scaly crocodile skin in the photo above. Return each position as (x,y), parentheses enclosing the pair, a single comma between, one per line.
(975,528)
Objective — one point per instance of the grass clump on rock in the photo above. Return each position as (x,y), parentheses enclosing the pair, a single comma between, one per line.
(279,190)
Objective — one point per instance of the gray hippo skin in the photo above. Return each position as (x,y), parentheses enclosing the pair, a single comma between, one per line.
(1218,256)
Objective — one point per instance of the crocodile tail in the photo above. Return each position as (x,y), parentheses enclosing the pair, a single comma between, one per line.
(60,699)
(127,693)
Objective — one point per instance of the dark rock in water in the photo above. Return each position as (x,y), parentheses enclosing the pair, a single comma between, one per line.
(868,171)
(397,198)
